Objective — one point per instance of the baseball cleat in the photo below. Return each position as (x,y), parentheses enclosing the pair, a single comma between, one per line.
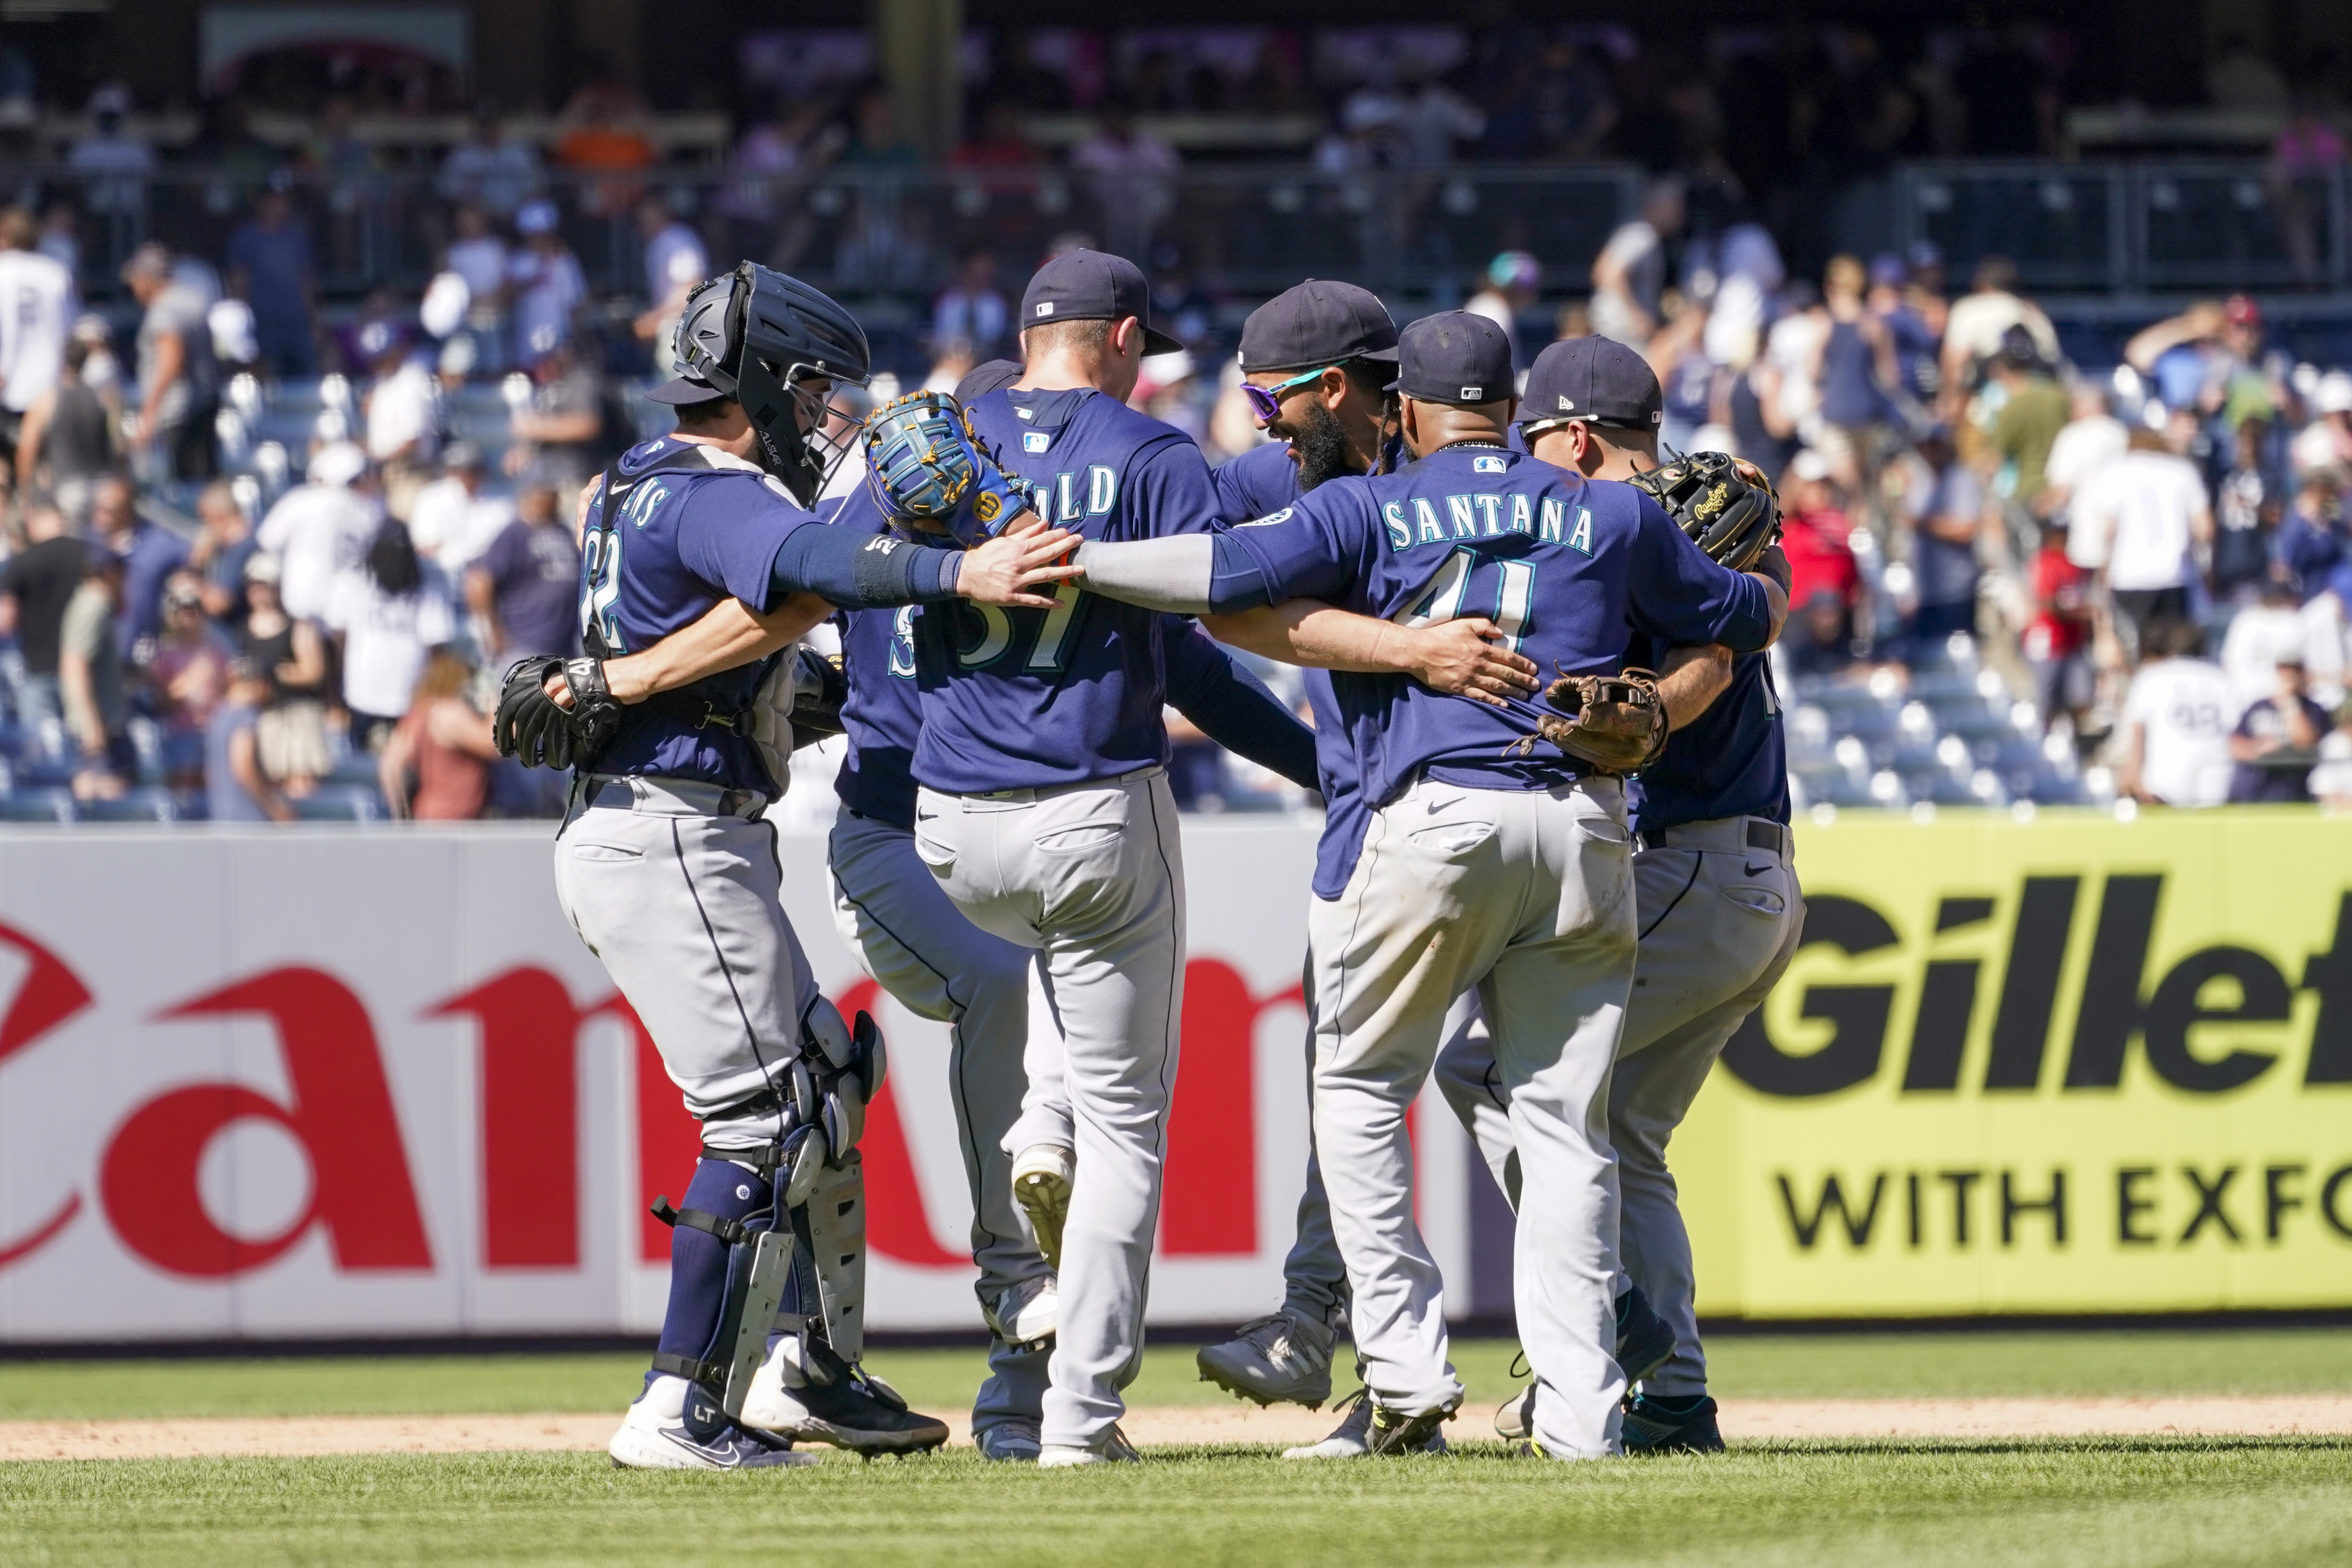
(1685,1426)
(1645,1340)
(674,1425)
(1042,1175)
(1023,1315)
(1111,1448)
(1013,1441)
(1283,1357)
(1516,1418)
(849,1408)
(1352,1439)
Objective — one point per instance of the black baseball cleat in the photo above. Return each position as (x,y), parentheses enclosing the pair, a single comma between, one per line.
(1394,1432)
(849,1409)
(1686,1426)
(1645,1340)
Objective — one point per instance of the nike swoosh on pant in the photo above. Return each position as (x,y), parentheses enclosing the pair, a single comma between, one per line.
(1755,870)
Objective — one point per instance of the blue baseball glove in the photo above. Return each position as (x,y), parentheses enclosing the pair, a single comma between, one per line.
(923,466)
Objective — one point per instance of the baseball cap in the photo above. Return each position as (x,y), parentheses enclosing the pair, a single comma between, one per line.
(2240,311)
(262,567)
(1093,286)
(1454,356)
(1886,270)
(983,379)
(1597,380)
(1317,322)
(338,463)
(536,218)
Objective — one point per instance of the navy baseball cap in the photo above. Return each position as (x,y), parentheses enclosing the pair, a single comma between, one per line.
(1597,380)
(1454,356)
(984,379)
(1318,323)
(1091,285)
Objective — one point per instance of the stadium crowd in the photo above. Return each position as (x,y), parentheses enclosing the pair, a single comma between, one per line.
(262,559)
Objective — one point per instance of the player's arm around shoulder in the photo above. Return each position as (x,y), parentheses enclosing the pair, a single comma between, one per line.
(1677,595)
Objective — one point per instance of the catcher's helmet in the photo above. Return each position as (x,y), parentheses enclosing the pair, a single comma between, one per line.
(754,335)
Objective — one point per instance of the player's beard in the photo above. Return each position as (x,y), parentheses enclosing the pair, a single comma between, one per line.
(1322,447)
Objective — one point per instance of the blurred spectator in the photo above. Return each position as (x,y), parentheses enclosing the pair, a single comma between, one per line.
(1946,502)
(1913,338)
(151,553)
(179,380)
(2331,781)
(224,543)
(875,139)
(111,160)
(36,583)
(1414,126)
(478,255)
(1132,174)
(1630,273)
(675,262)
(561,431)
(291,735)
(2057,641)
(1856,372)
(971,309)
(67,440)
(1820,639)
(2314,539)
(2206,358)
(443,744)
(2276,740)
(386,614)
(525,587)
(402,413)
(270,268)
(318,528)
(37,300)
(2091,440)
(545,284)
(486,171)
(2267,633)
(605,138)
(2326,441)
(1814,534)
(2033,411)
(1512,284)
(998,143)
(2177,722)
(61,236)
(187,679)
(453,521)
(1187,311)
(2307,153)
(237,790)
(1977,327)
(2246,512)
(90,683)
(2139,525)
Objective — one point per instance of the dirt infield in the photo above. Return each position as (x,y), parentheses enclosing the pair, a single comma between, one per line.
(2252,1416)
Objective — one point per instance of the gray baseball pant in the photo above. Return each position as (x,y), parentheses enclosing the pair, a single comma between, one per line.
(940,966)
(1720,920)
(1093,876)
(1526,894)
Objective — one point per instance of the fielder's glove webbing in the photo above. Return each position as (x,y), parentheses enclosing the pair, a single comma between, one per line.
(1723,504)
(533,729)
(923,463)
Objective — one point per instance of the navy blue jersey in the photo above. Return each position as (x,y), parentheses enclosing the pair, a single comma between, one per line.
(1574,570)
(1730,761)
(1033,698)
(700,526)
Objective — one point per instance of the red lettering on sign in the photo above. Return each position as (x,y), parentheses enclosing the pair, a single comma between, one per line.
(530,1118)
(50,995)
(340,1112)
(1209,1200)
(897,1224)
(670,1140)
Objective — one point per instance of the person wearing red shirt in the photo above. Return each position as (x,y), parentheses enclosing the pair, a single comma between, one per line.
(2057,642)
(1813,533)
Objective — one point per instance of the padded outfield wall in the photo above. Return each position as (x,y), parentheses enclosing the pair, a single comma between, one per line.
(329,1082)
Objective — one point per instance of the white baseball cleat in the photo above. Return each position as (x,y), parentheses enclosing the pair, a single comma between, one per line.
(1111,1448)
(656,1434)
(1042,1175)
(1026,1315)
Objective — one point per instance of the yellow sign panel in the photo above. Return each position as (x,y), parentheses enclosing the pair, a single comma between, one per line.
(2070,1065)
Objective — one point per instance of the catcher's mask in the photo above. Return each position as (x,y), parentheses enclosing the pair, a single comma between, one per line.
(755,335)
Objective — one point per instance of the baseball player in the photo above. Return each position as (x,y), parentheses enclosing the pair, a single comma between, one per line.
(668,874)
(1715,886)
(1486,856)
(1005,1063)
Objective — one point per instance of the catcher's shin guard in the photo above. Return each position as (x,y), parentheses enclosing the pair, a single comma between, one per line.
(728,1267)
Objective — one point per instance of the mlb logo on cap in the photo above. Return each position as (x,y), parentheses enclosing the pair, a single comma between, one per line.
(1046,308)
(1454,356)
(1474,394)
(1090,286)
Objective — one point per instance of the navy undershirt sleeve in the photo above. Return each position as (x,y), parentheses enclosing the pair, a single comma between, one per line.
(861,571)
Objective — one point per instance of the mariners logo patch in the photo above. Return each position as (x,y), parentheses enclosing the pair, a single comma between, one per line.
(1036,439)
(1487,466)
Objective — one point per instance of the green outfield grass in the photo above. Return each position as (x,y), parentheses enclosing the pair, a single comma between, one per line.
(2145,1504)
(2278,1361)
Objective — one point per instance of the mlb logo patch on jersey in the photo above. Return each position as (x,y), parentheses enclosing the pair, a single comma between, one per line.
(1036,439)
(1488,465)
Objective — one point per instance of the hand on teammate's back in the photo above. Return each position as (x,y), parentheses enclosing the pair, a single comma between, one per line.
(1000,571)
(1469,657)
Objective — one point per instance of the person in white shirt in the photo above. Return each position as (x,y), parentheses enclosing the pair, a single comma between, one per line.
(37,301)
(675,262)
(389,612)
(452,522)
(319,529)
(108,149)
(488,170)
(2269,632)
(2139,525)
(2177,716)
(2090,441)
(546,284)
(1980,319)
(1630,273)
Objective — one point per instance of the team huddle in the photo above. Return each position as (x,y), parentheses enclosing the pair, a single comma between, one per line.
(1556,866)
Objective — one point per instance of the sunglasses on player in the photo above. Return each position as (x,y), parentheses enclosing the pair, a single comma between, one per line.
(1267,401)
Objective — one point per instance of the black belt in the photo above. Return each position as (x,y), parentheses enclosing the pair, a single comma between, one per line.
(1763,834)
